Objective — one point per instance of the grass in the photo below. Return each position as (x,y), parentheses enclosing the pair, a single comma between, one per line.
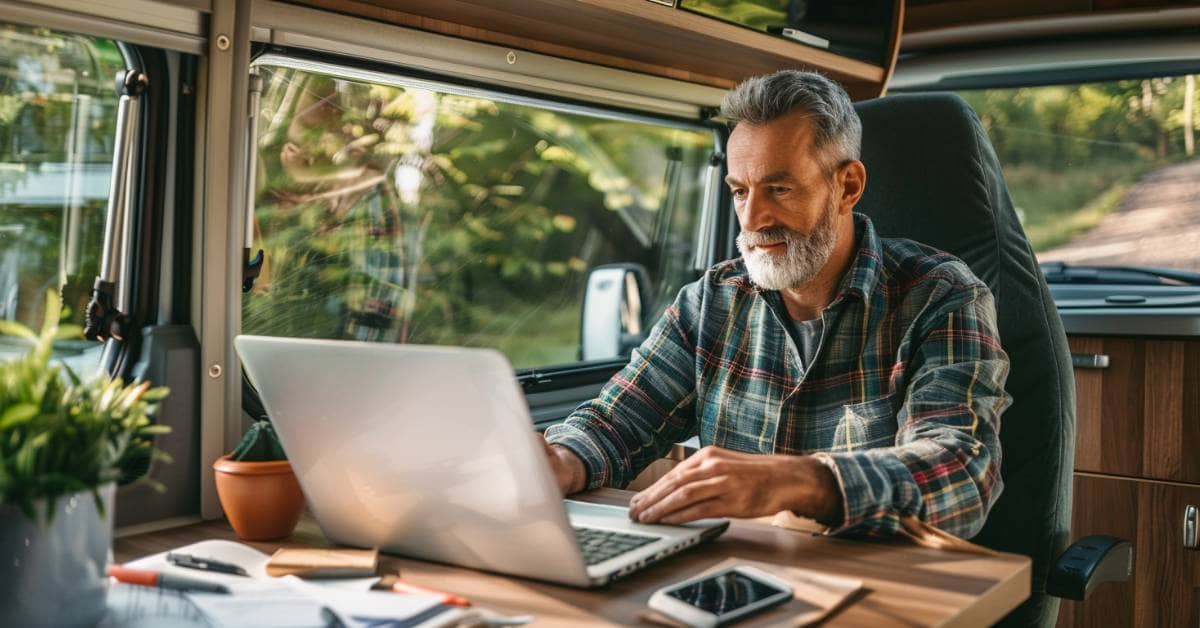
(1059,205)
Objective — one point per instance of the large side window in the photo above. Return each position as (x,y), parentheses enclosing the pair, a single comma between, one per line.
(1102,174)
(405,211)
(58,107)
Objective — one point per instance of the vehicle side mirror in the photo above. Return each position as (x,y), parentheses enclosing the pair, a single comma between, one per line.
(613,305)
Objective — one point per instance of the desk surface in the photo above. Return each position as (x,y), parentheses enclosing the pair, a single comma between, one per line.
(904,585)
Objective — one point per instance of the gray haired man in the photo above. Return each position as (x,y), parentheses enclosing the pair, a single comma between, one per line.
(828,372)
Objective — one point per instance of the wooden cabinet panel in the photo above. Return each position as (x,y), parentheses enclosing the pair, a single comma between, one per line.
(1166,580)
(630,34)
(1140,417)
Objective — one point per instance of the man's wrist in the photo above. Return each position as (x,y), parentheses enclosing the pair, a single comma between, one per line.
(573,464)
(818,495)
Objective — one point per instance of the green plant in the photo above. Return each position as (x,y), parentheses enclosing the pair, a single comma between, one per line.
(59,436)
(260,444)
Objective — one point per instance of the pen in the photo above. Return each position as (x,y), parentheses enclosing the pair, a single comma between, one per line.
(399,586)
(206,564)
(149,578)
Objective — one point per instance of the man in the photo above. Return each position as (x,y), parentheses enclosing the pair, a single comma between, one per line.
(828,372)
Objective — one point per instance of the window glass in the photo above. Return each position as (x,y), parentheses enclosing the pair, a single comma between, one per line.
(58,106)
(1101,173)
(412,212)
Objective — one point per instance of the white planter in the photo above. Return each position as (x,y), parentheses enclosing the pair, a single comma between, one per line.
(54,575)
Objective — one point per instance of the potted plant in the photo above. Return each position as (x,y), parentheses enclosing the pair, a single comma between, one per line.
(257,487)
(64,445)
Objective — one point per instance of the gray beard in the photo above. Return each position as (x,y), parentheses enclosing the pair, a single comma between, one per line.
(805,256)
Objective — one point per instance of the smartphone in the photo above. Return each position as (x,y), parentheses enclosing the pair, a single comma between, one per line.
(720,598)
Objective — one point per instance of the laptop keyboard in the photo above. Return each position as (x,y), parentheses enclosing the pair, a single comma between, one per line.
(600,545)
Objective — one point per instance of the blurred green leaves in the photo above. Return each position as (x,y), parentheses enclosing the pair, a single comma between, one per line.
(59,436)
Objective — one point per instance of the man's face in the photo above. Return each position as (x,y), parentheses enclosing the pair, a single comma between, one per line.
(786,202)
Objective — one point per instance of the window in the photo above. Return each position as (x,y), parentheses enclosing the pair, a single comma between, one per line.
(399,210)
(58,106)
(1101,173)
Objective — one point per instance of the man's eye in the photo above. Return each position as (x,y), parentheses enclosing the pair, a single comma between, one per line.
(738,194)
(779,189)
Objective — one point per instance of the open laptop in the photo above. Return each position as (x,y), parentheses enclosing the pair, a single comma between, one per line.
(430,452)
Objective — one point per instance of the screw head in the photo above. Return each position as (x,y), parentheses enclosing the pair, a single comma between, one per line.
(214,371)
(511,57)
(223,42)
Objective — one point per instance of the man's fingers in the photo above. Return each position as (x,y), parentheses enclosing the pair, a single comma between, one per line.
(683,497)
(700,510)
(667,485)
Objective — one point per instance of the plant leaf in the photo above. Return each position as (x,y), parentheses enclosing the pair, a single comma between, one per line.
(13,328)
(17,414)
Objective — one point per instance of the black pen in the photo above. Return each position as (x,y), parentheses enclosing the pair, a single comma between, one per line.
(205,564)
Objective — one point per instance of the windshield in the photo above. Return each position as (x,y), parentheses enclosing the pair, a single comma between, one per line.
(1101,174)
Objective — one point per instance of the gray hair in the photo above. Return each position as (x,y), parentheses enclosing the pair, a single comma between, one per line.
(837,130)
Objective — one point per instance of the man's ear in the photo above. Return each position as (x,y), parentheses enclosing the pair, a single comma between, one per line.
(852,180)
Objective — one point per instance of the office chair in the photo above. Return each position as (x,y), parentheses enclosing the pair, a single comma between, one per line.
(932,176)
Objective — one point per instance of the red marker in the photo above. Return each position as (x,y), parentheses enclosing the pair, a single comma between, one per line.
(392,583)
(149,578)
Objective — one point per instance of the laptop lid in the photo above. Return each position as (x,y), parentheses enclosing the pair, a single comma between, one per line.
(423,451)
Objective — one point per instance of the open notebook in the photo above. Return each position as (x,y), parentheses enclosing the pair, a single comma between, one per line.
(263,601)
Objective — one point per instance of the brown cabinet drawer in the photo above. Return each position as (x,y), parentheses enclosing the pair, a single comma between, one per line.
(1165,588)
(1139,416)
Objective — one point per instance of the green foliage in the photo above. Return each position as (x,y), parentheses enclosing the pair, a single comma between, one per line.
(400,214)
(260,444)
(1069,151)
(60,437)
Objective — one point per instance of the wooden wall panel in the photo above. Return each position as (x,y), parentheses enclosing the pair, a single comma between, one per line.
(1140,417)
(1162,427)
(1103,506)
(1166,580)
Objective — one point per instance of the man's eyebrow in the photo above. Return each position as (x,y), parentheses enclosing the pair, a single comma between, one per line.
(774,177)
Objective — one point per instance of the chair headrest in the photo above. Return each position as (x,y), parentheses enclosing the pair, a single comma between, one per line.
(932,176)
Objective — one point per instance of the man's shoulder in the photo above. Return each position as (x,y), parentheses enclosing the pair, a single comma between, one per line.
(910,265)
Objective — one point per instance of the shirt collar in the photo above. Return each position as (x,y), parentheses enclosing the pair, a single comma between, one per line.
(863,274)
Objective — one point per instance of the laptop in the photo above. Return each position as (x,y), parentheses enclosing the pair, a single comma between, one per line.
(430,452)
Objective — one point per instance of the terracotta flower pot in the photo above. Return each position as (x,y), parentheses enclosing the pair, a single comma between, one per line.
(262,500)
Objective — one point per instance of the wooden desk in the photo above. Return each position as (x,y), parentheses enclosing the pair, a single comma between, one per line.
(905,585)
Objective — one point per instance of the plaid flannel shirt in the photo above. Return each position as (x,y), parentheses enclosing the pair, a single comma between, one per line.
(903,402)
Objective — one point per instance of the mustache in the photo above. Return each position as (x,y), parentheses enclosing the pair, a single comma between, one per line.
(770,235)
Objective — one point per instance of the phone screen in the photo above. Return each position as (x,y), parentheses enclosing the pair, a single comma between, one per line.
(724,592)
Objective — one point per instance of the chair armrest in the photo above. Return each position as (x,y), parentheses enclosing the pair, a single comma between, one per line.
(1089,562)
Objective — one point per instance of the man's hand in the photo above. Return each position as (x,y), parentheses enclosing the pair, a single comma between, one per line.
(568,468)
(716,482)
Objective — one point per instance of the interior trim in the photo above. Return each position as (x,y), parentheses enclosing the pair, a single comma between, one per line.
(293,26)
(140,22)
(935,71)
(1050,27)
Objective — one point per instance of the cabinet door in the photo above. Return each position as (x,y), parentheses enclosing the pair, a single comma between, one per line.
(1137,417)
(1165,589)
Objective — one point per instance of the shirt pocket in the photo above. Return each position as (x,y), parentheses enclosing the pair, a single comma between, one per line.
(866,425)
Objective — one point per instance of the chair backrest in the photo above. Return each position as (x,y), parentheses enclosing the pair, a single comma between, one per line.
(932,176)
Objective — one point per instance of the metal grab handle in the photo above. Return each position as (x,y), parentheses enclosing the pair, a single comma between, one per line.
(1189,527)
(1089,360)
(105,315)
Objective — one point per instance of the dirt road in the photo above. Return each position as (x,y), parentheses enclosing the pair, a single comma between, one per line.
(1156,223)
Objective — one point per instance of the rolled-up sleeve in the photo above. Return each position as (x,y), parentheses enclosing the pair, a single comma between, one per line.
(645,408)
(945,465)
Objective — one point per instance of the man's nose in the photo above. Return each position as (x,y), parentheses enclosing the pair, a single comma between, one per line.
(754,214)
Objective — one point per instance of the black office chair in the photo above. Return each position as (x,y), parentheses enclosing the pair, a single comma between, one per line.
(932,176)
